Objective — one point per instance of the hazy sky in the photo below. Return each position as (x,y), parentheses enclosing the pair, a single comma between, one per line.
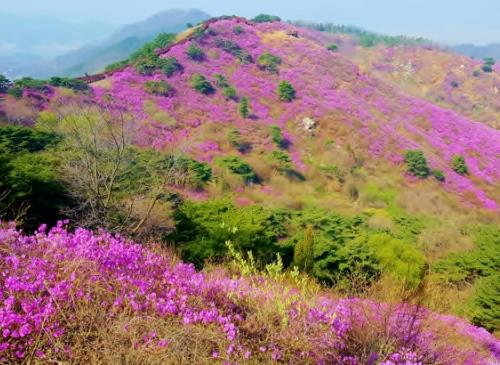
(452,21)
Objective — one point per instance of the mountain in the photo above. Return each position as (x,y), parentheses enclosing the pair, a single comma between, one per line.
(46,36)
(479,52)
(348,106)
(94,57)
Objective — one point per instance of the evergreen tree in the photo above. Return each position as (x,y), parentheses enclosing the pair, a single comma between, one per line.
(303,254)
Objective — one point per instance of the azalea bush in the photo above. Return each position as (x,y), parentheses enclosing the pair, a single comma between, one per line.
(65,294)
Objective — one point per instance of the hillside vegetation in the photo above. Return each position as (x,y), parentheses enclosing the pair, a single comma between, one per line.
(327,210)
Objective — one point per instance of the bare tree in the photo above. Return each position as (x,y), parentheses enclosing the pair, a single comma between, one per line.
(97,157)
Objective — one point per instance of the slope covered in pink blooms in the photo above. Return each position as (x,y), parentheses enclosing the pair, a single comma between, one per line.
(61,290)
(329,88)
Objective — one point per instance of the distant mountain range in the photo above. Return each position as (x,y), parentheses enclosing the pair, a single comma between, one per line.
(94,56)
(479,52)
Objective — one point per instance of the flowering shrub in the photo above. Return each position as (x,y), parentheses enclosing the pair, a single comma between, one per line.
(66,294)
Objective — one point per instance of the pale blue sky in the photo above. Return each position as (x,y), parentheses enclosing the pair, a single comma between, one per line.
(451,21)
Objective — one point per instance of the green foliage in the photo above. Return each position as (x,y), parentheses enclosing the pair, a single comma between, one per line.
(201,84)
(235,140)
(169,66)
(15,91)
(277,136)
(146,60)
(160,88)
(365,38)
(484,307)
(4,84)
(195,53)
(332,47)
(438,175)
(489,61)
(285,91)
(202,229)
(458,165)
(281,160)
(29,176)
(303,254)
(116,65)
(238,29)
(230,93)
(74,84)
(220,81)
(234,49)
(244,107)
(239,167)
(417,163)
(487,68)
(268,62)
(480,265)
(266,18)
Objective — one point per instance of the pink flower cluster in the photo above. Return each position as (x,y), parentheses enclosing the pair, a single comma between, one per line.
(47,276)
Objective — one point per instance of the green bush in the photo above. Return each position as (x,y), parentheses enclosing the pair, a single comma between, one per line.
(220,81)
(244,107)
(458,165)
(4,84)
(15,91)
(169,66)
(489,61)
(74,84)
(230,93)
(203,228)
(438,175)
(417,163)
(146,60)
(236,141)
(484,308)
(285,91)
(116,65)
(281,160)
(29,176)
(277,136)
(201,84)
(332,47)
(303,253)
(234,49)
(195,53)
(268,62)
(487,68)
(238,29)
(239,167)
(160,88)
(266,18)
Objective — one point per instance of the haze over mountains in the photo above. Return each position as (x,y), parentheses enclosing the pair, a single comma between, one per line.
(97,47)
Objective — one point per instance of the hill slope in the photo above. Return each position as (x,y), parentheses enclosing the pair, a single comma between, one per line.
(348,107)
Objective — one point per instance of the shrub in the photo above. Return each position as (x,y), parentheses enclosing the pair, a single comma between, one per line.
(15,91)
(4,84)
(303,254)
(286,92)
(169,66)
(235,140)
(454,84)
(146,60)
(234,49)
(74,84)
(244,107)
(239,167)
(28,83)
(332,47)
(230,93)
(238,29)
(116,65)
(160,88)
(417,163)
(489,61)
(458,165)
(487,68)
(195,53)
(266,18)
(438,175)
(281,159)
(476,73)
(484,307)
(201,84)
(277,136)
(268,62)
(202,230)
(220,81)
